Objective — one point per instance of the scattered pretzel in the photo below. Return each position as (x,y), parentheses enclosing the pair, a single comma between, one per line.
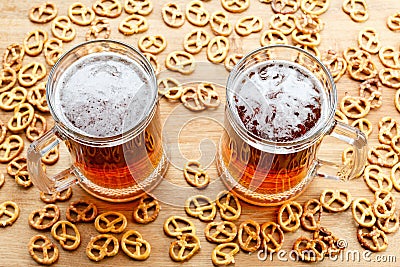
(165,84)
(176,226)
(12,58)
(22,177)
(107,8)
(220,257)
(272,37)
(231,60)
(272,236)
(29,74)
(309,24)
(201,207)
(52,156)
(34,41)
(52,50)
(248,24)
(390,77)
(133,244)
(229,206)
(357,9)
(354,107)
(333,244)
(285,6)
(147,210)
(220,232)
(364,125)
(153,44)
(207,95)
(376,179)
(49,251)
(372,238)
(22,118)
(172,15)
(289,215)
(390,224)
(284,23)
(197,14)
(11,147)
(184,248)
(8,78)
(384,204)
(11,99)
(180,61)
(45,217)
(311,217)
(371,89)
(153,61)
(195,40)
(101,246)
(36,128)
(220,24)
(133,24)
(393,21)
(63,29)
(235,6)
(390,57)
(110,222)
(217,49)
(336,64)
(56,196)
(141,7)
(309,39)
(310,250)
(314,7)
(395,176)
(61,233)
(388,129)
(80,14)
(190,99)
(335,200)
(97,27)
(43,13)
(37,97)
(10,211)
(81,211)
(368,39)
(363,213)
(382,155)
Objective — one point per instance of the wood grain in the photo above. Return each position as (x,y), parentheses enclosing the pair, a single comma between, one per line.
(195,135)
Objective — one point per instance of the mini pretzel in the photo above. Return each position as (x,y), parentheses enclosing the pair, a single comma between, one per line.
(197,14)
(355,55)
(393,21)
(10,211)
(36,128)
(8,78)
(333,244)
(201,207)
(81,211)
(221,258)
(133,24)
(97,27)
(335,200)
(248,24)
(172,15)
(15,165)
(231,60)
(190,100)
(180,61)
(289,216)
(208,96)
(184,248)
(390,224)
(22,118)
(284,23)
(220,232)
(110,222)
(364,125)
(372,239)
(107,8)
(390,77)
(22,177)
(376,179)
(13,57)
(153,44)
(195,40)
(363,213)
(49,251)
(34,41)
(388,129)
(368,39)
(309,39)
(354,107)
(37,97)
(133,244)
(372,90)
(101,246)
(80,14)
(308,24)
(311,217)
(165,84)
(176,226)
(235,6)
(357,9)
(336,64)
(53,50)
(314,7)
(390,57)
(229,206)
(272,236)
(52,156)
(56,196)
(63,29)
(220,24)
(11,147)
(272,37)
(384,204)
(11,99)
(195,175)
(382,155)
(147,210)
(153,61)
(310,250)
(141,7)
(285,6)
(43,13)
(29,74)
(217,49)
(61,233)
(45,217)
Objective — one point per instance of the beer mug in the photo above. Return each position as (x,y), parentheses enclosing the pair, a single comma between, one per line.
(102,95)
(281,103)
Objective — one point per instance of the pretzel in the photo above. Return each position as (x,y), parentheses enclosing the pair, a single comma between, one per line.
(98,26)
(61,233)
(153,61)
(133,24)
(153,44)
(231,60)
(311,216)
(80,14)
(308,24)
(372,239)
(314,7)
(363,213)
(56,196)
(36,128)
(285,6)
(357,9)
(248,24)
(207,95)
(372,90)
(51,157)
(10,211)
(309,39)
(195,40)
(29,74)
(11,147)
(235,6)
(52,50)
(390,77)
(190,100)
(2,179)
(110,222)
(184,248)
(395,143)
(134,239)
(45,217)
(382,155)
(8,78)
(368,39)
(384,204)
(11,99)
(217,49)
(147,210)
(336,64)
(341,117)
(107,8)
(37,97)
(16,165)
(310,250)
(12,57)
(22,177)
(220,257)
(284,23)
(335,200)
(141,7)
(165,84)
(364,125)
(34,41)
(49,251)
(201,207)
(354,107)
(229,206)
(376,179)
(81,211)
(355,55)
(197,14)
(172,15)
(272,236)
(289,215)
(334,245)
(393,21)
(389,57)
(22,117)
(389,225)
(176,226)
(62,29)
(101,246)
(388,129)
(220,232)
(220,24)
(180,61)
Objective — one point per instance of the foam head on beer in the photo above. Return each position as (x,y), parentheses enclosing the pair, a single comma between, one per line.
(278,100)
(97,93)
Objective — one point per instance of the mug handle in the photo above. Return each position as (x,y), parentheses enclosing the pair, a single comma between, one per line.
(353,168)
(45,183)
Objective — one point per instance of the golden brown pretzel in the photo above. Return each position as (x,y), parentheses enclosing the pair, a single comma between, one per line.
(132,243)
(56,196)
(220,24)
(52,156)
(184,248)
(195,40)
(180,61)
(10,148)
(29,74)
(8,78)
(172,15)
(201,207)
(357,9)
(141,7)
(43,13)
(235,6)
(10,211)
(176,226)
(311,217)
(390,77)
(390,57)
(101,246)
(107,8)
(190,99)
(81,211)
(63,29)
(45,217)
(272,236)
(217,49)
(248,24)
(231,60)
(372,239)
(376,179)
(220,256)
(289,215)
(393,21)
(384,204)
(309,24)
(273,37)
(229,206)
(34,42)
(390,224)
(22,117)
(36,128)
(285,6)
(22,177)
(97,27)
(382,155)
(336,64)
(61,233)
(388,128)
(314,7)
(133,24)
(368,39)
(37,97)
(52,50)
(13,56)
(153,44)
(11,99)
(355,107)
(207,95)
(147,210)
(335,200)
(197,14)
(49,251)
(165,84)
(110,222)
(310,250)
(309,39)
(284,23)
(80,14)
(220,232)
(371,89)
(364,125)
(363,213)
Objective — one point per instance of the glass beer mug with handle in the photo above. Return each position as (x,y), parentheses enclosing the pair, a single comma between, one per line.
(102,95)
(281,103)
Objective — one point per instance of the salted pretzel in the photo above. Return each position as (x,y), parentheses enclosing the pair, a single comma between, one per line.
(272,237)
(334,246)
(220,24)
(368,39)
(363,213)
(285,6)
(220,232)
(382,155)
(231,60)
(43,13)
(335,200)
(390,77)
(110,222)
(9,213)
(395,143)
(52,50)
(8,78)
(229,206)
(289,215)
(31,73)
(10,148)
(176,226)
(336,64)
(384,204)
(376,180)
(201,207)
(184,248)
(371,89)
(107,8)
(147,210)
(141,7)
(56,196)
(13,56)
(393,21)
(81,211)
(217,49)
(195,40)
(153,44)
(34,42)
(11,99)
(190,100)
(311,217)
(248,24)
(340,116)
(48,251)
(22,177)
(180,61)
(308,24)
(80,14)
(172,15)
(63,29)
(309,39)
(101,246)
(355,107)
(36,128)
(357,9)
(165,84)
(22,117)
(133,24)
(133,244)
(235,6)
(390,57)
(99,28)
(221,257)
(44,218)
(310,250)
(197,14)
(390,224)
(372,239)
(37,97)
(314,7)
(3,131)
(284,23)
(388,129)
(69,240)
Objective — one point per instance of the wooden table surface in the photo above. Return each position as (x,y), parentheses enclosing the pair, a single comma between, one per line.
(196,139)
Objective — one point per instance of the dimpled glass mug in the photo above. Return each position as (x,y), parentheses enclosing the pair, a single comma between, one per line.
(102,95)
(281,103)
